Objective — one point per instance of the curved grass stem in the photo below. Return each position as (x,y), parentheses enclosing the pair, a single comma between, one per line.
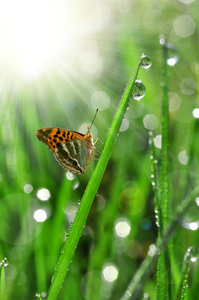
(90,192)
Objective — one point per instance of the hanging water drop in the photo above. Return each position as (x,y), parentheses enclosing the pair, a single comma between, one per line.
(171,61)
(139,90)
(145,62)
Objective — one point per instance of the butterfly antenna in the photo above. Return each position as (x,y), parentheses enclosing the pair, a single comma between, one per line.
(89,128)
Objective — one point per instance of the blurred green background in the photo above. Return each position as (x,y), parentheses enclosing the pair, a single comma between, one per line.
(59,61)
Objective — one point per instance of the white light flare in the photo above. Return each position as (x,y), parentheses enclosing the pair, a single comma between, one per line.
(33,34)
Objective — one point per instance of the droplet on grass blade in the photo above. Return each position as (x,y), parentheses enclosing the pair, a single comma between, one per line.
(139,90)
(146,62)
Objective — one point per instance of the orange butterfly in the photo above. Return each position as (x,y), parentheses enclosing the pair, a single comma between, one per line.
(72,149)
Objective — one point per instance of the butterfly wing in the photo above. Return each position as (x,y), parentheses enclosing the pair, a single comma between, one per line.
(52,136)
(72,155)
(72,149)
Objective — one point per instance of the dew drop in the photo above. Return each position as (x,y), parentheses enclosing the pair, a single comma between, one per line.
(4,262)
(146,62)
(162,39)
(139,90)
(171,61)
(196,113)
(194,259)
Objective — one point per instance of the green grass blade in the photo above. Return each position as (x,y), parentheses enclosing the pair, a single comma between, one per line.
(2,291)
(162,291)
(105,225)
(191,252)
(90,192)
(142,273)
(164,149)
(155,181)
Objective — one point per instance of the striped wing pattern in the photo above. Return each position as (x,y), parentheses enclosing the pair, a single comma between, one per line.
(72,149)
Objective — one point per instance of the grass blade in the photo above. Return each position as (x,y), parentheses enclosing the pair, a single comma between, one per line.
(90,192)
(162,291)
(3,264)
(191,252)
(133,289)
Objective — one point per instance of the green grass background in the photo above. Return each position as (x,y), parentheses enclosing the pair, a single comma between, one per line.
(63,99)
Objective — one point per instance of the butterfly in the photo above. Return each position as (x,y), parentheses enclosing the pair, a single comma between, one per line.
(72,149)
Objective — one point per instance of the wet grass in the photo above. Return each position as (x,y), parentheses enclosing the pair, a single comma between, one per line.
(158,258)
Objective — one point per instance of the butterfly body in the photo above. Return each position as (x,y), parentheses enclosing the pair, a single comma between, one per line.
(72,149)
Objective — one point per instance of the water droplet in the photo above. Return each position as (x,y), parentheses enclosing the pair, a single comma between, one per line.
(162,39)
(194,259)
(190,226)
(139,90)
(4,262)
(196,113)
(172,60)
(146,62)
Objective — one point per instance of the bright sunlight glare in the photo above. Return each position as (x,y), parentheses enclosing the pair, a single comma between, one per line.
(34,34)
